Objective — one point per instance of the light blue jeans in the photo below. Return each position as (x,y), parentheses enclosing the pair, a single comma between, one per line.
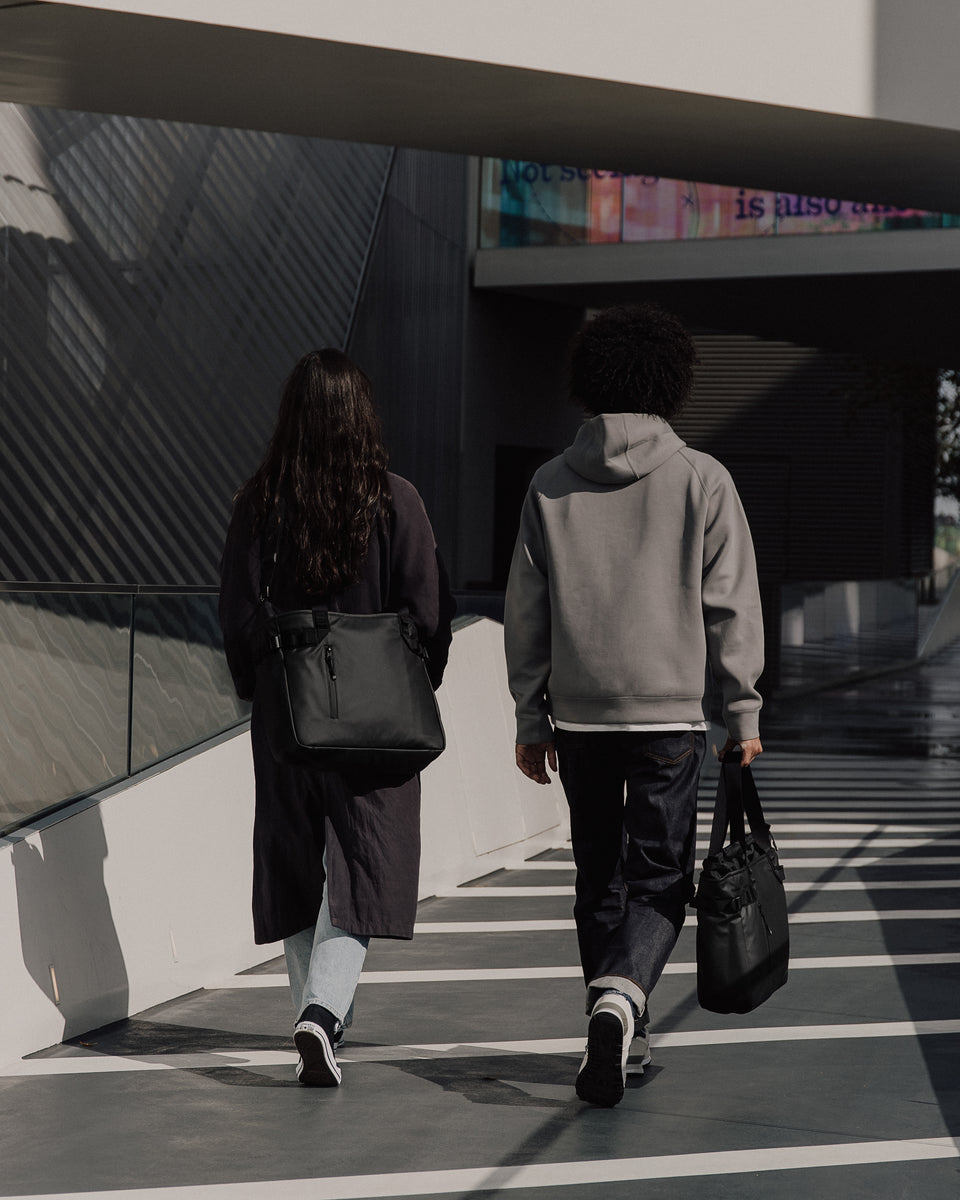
(323,966)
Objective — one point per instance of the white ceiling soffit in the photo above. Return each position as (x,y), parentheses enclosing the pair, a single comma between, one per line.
(264,76)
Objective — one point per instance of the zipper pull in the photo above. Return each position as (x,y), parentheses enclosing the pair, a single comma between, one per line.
(328,655)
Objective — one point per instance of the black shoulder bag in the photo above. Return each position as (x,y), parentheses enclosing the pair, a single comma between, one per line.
(344,692)
(743,945)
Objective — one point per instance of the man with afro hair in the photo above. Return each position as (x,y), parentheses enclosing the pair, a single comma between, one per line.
(633,580)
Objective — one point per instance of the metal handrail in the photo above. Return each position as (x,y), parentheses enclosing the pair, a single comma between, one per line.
(111,589)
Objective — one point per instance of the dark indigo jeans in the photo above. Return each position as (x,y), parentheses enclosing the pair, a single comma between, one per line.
(633,813)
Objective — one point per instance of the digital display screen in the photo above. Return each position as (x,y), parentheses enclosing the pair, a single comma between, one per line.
(537,204)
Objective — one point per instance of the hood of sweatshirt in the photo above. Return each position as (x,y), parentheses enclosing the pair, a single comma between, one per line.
(621,447)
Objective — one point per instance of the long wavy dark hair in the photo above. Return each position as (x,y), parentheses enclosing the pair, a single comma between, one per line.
(327,467)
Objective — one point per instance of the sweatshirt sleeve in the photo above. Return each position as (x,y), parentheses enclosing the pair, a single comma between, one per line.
(731,610)
(526,628)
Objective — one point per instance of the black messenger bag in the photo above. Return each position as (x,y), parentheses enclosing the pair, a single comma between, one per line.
(346,691)
(743,945)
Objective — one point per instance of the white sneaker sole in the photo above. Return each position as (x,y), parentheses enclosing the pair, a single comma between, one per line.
(318,1063)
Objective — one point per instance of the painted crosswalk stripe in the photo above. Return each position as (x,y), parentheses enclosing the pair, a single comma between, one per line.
(851,860)
(580,1172)
(559,924)
(836,821)
(94,1064)
(882,829)
(533,892)
(512,974)
(850,801)
(868,860)
(865,843)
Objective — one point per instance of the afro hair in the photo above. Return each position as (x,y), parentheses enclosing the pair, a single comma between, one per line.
(632,358)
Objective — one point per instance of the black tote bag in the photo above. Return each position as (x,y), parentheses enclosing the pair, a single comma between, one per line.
(346,692)
(743,945)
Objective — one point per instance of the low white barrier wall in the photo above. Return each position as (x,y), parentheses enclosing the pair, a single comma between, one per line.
(946,628)
(143,893)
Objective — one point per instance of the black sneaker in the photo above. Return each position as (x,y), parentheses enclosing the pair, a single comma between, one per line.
(603,1071)
(314,1036)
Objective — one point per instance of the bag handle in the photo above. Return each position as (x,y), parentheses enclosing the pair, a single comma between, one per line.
(737,798)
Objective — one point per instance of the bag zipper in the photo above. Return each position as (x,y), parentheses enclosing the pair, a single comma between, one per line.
(332,682)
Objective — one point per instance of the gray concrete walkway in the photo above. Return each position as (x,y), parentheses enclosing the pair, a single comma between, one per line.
(458,1077)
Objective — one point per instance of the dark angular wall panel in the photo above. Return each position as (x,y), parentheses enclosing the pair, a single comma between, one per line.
(157,281)
(415,288)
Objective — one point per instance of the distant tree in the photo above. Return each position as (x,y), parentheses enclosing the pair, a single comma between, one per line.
(948,435)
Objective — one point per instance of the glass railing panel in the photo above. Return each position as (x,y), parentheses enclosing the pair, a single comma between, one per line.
(63,697)
(182,692)
(97,684)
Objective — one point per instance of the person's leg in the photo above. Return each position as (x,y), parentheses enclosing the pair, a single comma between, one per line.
(324,965)
(329,977)
(656,880)
(593,778)
(297,950)
(663,773)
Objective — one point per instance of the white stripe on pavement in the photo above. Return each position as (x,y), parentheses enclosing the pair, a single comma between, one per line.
(558,924)
(480,892)
(866,860)
(864,843)
(852,860)
(509,974)
(872,827)
(93,1064)
(579,1173)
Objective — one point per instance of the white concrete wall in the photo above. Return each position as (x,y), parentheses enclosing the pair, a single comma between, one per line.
(143,894)
(830,612)
(946,629)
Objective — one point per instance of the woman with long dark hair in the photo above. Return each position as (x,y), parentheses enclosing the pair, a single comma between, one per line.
(336,858)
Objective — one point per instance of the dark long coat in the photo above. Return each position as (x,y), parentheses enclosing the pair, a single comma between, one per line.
(371,834)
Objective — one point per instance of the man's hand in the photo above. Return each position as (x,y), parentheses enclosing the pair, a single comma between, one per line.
(750,746)
(530,760)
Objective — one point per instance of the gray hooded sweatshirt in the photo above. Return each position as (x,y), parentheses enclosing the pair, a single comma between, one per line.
(633,567)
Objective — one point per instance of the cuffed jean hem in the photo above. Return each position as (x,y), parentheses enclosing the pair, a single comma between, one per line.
(619,983)
(323,966)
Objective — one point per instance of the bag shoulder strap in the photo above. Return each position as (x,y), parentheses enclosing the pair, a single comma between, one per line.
(270,536)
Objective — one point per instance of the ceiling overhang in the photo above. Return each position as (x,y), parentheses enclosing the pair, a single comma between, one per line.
(96,60)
